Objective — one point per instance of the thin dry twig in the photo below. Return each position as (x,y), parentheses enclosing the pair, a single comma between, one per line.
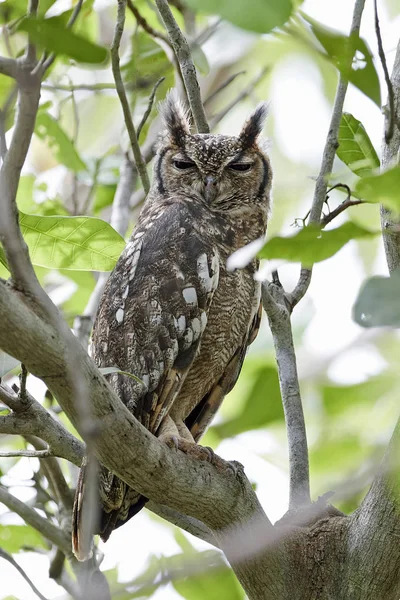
(145,25)
(139,161)
(389,111)
(149,107)
(328,157)
(183,54)
(224,85)
(6,556)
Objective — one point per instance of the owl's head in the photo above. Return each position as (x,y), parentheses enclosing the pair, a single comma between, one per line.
(226,172)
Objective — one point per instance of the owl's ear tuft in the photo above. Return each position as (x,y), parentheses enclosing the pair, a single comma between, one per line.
(175,118)
(253,126)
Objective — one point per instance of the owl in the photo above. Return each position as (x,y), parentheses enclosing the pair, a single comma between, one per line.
(171,313)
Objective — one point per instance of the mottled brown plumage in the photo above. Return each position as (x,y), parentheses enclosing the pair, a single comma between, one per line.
(171,313)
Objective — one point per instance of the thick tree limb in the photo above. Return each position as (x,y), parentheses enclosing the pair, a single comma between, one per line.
(328,157)
(390,157)
(183,54)
(119,28)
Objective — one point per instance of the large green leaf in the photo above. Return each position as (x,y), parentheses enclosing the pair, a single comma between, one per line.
(263,405)
(47,128)
(339,48)
(51,35)
(383,188)
(255,15)
(311,244)
(80,243)
(338,398)
(378,302)
(14,538)
(355,148)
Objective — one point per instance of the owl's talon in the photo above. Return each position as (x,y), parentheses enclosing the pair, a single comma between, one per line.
(172,442)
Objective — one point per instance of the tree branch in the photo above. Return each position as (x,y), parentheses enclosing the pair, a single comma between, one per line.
(389,111)
(189,524)
(9,67)
(145,25)
(149,106)
(55,535)
(9,558)
(278,312)
(390,157)
(30,418)
(183,54)
(328,157)
(119,28)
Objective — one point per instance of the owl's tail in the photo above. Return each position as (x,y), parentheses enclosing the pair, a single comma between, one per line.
(100,510)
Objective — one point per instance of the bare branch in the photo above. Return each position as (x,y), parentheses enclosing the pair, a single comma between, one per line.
(189,524)
(328,156)
(27,453)
(390,157)
(183,54)
(55,535)
(224,85)
(278,312)
(119,28)
(30,53)
(9,67)
(389,111)
(149,106)
(145,25)
(243,94)
(9,558)
(30,418)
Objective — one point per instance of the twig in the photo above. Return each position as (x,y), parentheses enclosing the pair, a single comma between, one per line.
(243,94)
(149,107)
(46,62)
(183,54)
(278,312)
(90,87)
(9,558)
(55,535)
(337,211)
(389,113)
(390,157)
(27,453)
(54,475)
(145,25)
(224,85)
(328,156)
(119,28)
(22,383)
(30,54)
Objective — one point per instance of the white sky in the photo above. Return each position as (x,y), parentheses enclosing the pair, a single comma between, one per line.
(296,90)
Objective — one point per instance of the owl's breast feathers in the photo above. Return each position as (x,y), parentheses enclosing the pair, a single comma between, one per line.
(171,311)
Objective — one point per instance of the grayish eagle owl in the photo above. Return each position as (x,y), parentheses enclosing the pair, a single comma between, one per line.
(171,313)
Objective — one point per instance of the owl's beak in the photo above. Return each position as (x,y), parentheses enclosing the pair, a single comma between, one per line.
(211,188)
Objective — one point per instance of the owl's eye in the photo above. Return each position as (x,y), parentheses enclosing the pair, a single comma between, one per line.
(183,164)
(240,166)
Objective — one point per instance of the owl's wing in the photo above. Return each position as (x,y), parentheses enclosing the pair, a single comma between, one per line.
(205,411)
(155,309)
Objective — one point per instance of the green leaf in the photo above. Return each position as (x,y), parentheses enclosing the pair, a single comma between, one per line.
(355,147)
(339,48)
(382,188)
(79,243)
(51,35)
(311,244)
(378,302)
(111,370)
(337,398)
(263,405)
(48,129)
(12,9)
(13,538)
(256,15)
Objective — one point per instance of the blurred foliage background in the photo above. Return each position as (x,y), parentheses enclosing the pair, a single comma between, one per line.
(348,374)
